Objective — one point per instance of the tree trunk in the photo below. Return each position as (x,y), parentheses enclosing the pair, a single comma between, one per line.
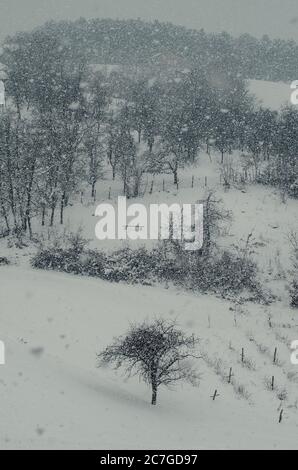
(52,216)
(93,189)
(18,110)
(150,144)
(154,394)
(62,209)
(154,386)
(28,209)
(43,215)
(4,213)
(29,226)
(175,173)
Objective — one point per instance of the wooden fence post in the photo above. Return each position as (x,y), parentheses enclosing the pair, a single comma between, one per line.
(275,356)
(215,394)
(151,187)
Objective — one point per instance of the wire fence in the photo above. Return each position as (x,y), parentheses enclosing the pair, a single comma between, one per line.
(158,184)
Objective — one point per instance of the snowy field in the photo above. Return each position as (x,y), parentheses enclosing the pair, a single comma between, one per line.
(271,95)
(54,397)
(52,394)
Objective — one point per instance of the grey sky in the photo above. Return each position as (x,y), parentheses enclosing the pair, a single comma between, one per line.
(277,18)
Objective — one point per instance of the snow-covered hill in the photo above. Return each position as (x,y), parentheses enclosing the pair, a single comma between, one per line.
(52,396)
(272,95)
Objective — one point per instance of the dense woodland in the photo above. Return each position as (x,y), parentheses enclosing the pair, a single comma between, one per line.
(65,120)
(134,42)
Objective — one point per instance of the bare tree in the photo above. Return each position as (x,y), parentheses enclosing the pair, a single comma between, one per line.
(214,216)
(158,352)
(94,148)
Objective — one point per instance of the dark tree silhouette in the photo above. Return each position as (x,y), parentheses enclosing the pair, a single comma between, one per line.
(158,352)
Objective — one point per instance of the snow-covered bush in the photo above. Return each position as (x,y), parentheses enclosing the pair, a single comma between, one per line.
(293,240)
(294,294)
(226,273)
(3,261)
(130,266)
(58,259)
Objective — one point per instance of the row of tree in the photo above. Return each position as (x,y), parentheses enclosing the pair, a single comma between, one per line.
(157,45)
(63,122)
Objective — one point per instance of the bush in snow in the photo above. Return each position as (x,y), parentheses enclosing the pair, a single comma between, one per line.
(294,294)
(130,266)
(227,273)
(293,240)
(158,352)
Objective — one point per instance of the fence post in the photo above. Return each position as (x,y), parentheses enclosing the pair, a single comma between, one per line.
(151,187)
(215,394)
(275,356)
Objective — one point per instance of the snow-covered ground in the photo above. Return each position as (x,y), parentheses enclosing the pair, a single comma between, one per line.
(52,396)
(255,209)
(52,324)
(271,95)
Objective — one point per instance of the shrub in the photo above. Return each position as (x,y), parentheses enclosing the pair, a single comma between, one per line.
(294,294)
(130,266)
(225,273)
(57,259)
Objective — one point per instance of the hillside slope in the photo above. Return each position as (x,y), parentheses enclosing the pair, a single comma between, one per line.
(52,396)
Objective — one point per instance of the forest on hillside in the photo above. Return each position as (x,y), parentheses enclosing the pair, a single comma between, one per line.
(160,45)
(64,120)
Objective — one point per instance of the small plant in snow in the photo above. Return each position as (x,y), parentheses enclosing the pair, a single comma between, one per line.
(248,363)
(241,391)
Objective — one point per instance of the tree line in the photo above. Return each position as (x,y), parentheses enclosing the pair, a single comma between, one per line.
(64,121)
(154,45)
